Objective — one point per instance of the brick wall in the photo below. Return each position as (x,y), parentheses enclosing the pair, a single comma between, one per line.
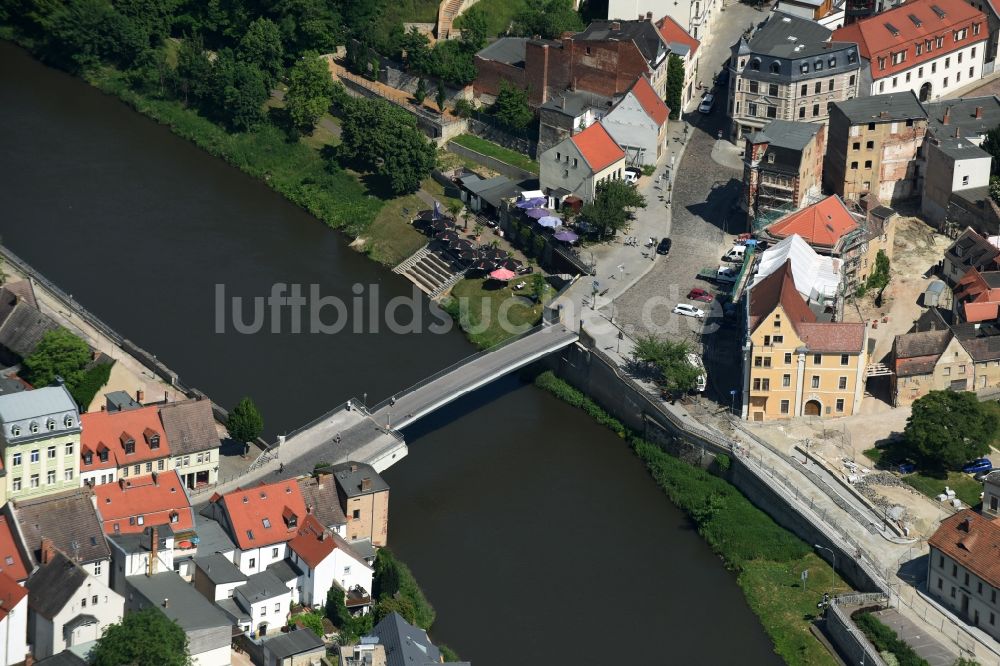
(489,74)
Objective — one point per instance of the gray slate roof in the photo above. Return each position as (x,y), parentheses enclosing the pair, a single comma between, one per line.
(285,570)
(349,476)
(119,401)
(186,605)
(218,569)
(508,50)
(321,494)
(773,38)
(894,106)
(68,518)
(573,103)
(962,115)
(971,250)
(23,329)
(189,426)
(261,586)
(787,134)
(645,35)
(212,538)
(405,645)
(233,610)
(928,343)
(64,658)
(52,586)
(36,403)
(287,645)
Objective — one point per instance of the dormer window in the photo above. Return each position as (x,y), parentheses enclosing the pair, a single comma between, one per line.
(51,424)
(88,458)
(103,455)
(770,158)
(832,62)
(818,65)
(804,68)
(755,64)
(174,517)
(775,67)
(851,57)
(291,520)
(152,438)
(129,446)
(68,421)
(33,427)
(15,431)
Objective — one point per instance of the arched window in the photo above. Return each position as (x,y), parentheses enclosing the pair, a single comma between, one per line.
(33,427)
(755,64)
(775,67)
(15,431)
(51,424)
(68,421)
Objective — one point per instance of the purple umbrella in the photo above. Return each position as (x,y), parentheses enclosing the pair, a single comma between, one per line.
(549,221)
(537,213)
(531,203)
(566,236)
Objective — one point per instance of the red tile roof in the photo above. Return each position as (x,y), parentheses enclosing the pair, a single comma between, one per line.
(159,499)
(266,514)
(875,39)
(651,103)
(112,429)
(314,544)
(597,147)
(979,298)
(10,595)
(822,224)
(11,562)
(833,337)
(672,32)
(974,544)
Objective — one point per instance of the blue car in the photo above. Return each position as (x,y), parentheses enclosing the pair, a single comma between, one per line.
(906,468)
(978,466)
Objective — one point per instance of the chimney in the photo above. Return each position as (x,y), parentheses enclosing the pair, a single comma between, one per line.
(48,550)
(885,114)
(354,467)
(366,484)
(649,16)
(966,525)
(166,602)
(562,102)
(641,17)
(121,483)
(958,132)
(154,543)
(615,26)
(322,535)
(156,479)
(947,116)
(979,112)
(139,395)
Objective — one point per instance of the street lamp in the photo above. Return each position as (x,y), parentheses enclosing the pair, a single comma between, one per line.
(833,564)
(732,401)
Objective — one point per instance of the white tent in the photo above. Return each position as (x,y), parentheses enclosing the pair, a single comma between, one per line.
(817,277)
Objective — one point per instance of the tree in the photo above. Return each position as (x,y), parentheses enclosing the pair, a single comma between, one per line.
(547,18)
(440,97)
(948,428)
(194,71)
(310,92)
(473,24)
(420,94)
(261,46)
(311,621)
(142,638)
(609,211)
(414,50)
(308,25)
(59,354)
(349,627)
(385,582)
(245,422)
(995,188)
(384,138)
(991,144)
(675,85)
(401,605)
(667,359)
(879,276)
(463,108)
(511,107)
(239,91)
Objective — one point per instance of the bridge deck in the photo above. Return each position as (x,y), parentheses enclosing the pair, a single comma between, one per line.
(411,404)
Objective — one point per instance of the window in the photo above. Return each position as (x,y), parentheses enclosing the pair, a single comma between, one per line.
(895,81)
(149,467)
(854,165)
(939,42)
(201,458)
(68,475)
(51,424)
(845,359)
(805,89)
(832,62)
(945,82)
(274,552)
(83,602)
(68,420)
(253,562)
(871,127)
(277,607)
(263,609)
(829,85)
(851,81)
(856,145)
(959,57)
(15,431)
(940,582)
(786,380)
(918,48)
(851,57)
(16,484)
(920,73)
(187,460)
(50,453)
(33,427)
(778,339)
(840,405)
(818,65)
(772,112)
(208,456)
(558,156)
(952,591)
(755,64)
(34,456)
(347,571)
(815,110)
(754,87)
(356,514)
(975,31)
(804,68)
(93,600)
(815,381)
(972,53)
(907,77)
(869,145)
(784,406)
(881,86)
(947,63)
(965,180)
(842,383)
(124,471)
(868,164)
(802,112)
(15,459)
(772,89)
(103,455)
(788,358)
(50,477)
(899,57)
(140,520)
(159,465)
(178,462)
(881,63)
(775,67)
(818,87)
(959,35)
(137,469)
(934,67)
(954,571)
(818,359)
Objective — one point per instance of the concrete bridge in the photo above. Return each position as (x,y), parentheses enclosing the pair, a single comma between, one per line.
(352,432)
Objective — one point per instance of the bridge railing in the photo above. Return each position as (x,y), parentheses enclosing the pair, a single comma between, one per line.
(454,366)
(355,404)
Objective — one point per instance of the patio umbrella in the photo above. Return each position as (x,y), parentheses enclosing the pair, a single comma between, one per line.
(511,264)
(549,221)
(537,213)
(439,225)
(484,265)
(493,254)
(531,203)
(502,274)
(447,236)
(566,236)
(460,245)
(426,215)
(467,256)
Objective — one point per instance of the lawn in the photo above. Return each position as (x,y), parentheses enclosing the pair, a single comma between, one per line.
(391,238)
(477,304)
(499,152)
(499,14)
(966,488)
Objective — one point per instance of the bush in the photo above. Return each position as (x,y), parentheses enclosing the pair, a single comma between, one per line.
(885,639)
(464,108)
(93,380)
(648,169)
(393,579)
(570,395)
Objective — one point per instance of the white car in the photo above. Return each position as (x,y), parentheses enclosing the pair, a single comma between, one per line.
(689,311)
(706,103)
(632,175)
(696,363)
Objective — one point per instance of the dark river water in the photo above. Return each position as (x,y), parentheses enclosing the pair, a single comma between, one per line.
(536,534)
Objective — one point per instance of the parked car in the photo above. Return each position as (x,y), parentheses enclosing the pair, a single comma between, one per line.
(689,311)
(632,175)
(905,468)
(697,294)
(696,363)
(978,465)
(664,246)
(736,254)
(707,102)
(722,78)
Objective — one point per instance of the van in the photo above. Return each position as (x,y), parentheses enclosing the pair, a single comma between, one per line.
(695,361)
(726,275)
(736,254)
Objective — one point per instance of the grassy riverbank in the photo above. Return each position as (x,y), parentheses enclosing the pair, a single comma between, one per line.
(497,151)
(767,559)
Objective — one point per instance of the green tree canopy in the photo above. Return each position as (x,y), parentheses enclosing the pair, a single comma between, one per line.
(879,277)
(308,25)
(991,144)
(384,138)
(511,107)
(245,422)
(609,211)
(474,28)
(675,85)
(547,18)
(420,94)
(310,91)
(948,428)
(239,91)
(668,360)
(142,638)
(59,354)
(261,46)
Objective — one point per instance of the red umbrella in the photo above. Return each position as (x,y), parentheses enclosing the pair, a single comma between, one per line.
(502,274)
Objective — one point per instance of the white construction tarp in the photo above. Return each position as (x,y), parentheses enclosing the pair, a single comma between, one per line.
(817,277)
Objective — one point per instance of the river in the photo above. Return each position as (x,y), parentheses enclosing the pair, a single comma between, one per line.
(536,534)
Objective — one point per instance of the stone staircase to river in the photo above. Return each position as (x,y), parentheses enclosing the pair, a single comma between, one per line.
(432,274)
